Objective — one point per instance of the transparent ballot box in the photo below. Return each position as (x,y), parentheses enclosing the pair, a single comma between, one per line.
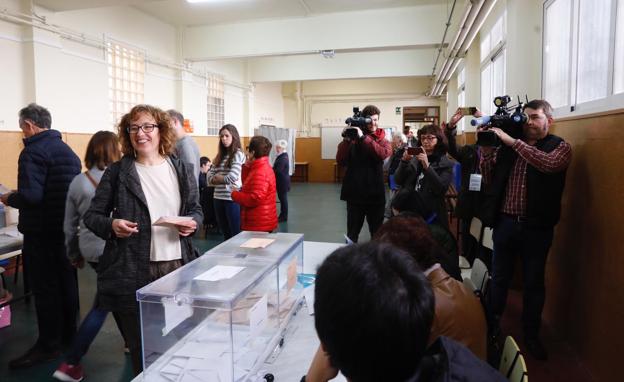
(282,249)
(214,319)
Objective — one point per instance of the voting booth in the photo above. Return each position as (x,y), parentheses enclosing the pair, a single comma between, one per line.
(221,316)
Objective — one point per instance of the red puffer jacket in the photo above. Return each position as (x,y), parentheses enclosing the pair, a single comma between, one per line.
(257,197)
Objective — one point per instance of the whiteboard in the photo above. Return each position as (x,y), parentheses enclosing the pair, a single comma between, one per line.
(331,136)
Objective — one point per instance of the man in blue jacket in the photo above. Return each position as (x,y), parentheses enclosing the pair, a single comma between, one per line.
(46,167)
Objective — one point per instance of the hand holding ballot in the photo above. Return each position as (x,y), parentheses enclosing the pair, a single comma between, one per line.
(184,224)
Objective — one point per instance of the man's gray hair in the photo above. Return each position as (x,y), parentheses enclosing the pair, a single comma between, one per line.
(37,114)
(282,143)
(402,136)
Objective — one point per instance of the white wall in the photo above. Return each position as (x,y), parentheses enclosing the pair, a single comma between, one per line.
(268,105)
(13,66)
(387,63)
(331,102)
(71,78)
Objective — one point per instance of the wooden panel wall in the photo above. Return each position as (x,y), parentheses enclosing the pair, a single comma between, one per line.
(11,145)
(309,150)
(585,271)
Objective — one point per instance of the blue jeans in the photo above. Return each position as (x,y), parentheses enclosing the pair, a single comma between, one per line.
(511,239)
(89,328)
(228,217)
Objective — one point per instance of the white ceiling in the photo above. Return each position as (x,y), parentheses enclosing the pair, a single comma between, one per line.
(179,12)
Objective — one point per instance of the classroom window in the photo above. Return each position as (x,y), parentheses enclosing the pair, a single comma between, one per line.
(583,55)
(215,104)
(618,78)
(557,55)
(126,71)
(493,56)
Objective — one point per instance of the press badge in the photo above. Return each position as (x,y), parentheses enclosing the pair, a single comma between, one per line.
(475,182)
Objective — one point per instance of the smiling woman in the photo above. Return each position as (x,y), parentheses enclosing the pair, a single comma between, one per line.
(145,185)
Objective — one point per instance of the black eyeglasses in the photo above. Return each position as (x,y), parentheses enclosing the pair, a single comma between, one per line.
(147,128)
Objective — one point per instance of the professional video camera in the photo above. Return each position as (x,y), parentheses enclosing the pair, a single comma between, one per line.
(503,118)
(357,120)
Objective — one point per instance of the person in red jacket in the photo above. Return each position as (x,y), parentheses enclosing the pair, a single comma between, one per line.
(257,197)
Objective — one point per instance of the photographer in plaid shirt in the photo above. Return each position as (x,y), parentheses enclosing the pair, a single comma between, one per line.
(523,183)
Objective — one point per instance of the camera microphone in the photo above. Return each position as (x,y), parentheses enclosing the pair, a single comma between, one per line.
(481,120)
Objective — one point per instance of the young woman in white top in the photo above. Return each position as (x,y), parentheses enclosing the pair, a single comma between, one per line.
(225,175)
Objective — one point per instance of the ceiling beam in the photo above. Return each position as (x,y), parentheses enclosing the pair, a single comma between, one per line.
(412,27)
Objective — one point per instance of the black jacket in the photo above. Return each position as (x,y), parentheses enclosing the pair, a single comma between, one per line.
(544,190)
(280,167)
(46,167)
(433,185)
(449,361)
(468,202)
(124,266)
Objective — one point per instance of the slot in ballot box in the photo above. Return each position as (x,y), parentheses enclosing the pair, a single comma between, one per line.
(214,319)
(285,250)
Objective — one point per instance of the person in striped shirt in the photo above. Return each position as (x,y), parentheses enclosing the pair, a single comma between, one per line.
(224,176)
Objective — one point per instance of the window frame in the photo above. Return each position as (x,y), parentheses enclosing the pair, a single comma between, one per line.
(215,104)
(612,101)
(126,77)
(496,52)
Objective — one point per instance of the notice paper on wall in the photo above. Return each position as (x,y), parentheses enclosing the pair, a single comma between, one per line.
(219,272)
(257,242)
(258,316)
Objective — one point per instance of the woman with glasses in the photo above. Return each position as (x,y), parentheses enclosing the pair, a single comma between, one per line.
(225,175)
(429,172)
(257,197)
(145,185)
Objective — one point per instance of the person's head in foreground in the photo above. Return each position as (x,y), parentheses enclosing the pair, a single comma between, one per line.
(373,312)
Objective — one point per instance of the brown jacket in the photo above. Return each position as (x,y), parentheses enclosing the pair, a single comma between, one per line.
(458,313)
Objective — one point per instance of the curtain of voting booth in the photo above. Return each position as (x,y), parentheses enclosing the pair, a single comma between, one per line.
(274,134)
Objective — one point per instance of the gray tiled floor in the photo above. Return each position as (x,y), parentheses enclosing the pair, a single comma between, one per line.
(315,210)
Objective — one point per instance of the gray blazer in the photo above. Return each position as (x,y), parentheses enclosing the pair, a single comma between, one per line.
(124,266)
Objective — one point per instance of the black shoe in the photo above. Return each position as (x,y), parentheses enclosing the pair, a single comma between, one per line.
(536,349)
(32,357)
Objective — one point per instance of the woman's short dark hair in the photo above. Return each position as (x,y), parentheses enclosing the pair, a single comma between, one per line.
(102,150)
(37,114)
(165,129)
(260,146)
(412,235)
(373,312)
(441,147)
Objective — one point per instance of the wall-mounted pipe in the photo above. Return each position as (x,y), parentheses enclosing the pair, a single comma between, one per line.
(464,39)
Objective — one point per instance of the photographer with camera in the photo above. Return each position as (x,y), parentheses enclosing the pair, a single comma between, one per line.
(362,152)
(427,170)
(523,180)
